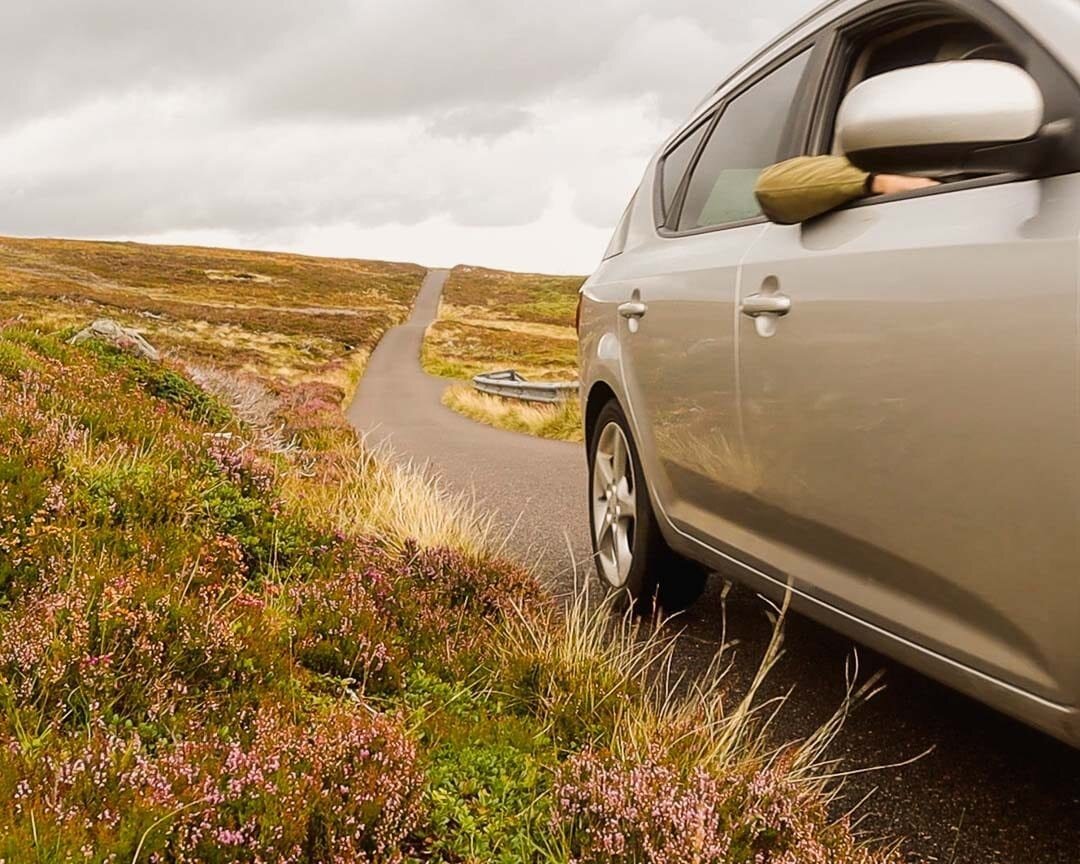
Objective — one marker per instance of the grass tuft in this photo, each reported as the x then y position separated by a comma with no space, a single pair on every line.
561,421
660,769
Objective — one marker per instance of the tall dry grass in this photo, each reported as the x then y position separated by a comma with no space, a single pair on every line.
618,671
367,490
561,421
351,486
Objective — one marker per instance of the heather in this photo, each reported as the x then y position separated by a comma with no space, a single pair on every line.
229,633
191,667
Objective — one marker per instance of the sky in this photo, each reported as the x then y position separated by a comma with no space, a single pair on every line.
487,132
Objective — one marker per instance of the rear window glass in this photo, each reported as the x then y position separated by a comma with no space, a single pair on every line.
676,162
746,140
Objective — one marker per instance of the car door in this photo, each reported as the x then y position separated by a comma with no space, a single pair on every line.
913,421
677,334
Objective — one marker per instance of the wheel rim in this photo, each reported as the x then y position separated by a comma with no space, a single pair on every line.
614,506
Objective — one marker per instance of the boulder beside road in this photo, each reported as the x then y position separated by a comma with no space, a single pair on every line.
107,330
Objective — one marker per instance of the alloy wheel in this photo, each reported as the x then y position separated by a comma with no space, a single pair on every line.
614,506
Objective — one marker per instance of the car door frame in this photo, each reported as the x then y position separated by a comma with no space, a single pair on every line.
793,140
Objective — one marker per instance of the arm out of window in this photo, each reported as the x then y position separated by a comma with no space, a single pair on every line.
807,186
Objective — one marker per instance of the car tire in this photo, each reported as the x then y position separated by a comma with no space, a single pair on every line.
632,558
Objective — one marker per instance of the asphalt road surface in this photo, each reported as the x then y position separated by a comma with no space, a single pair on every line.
990,792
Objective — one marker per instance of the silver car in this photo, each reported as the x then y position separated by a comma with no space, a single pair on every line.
877,410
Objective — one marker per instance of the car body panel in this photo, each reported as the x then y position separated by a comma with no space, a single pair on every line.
901,457
690,289
912,427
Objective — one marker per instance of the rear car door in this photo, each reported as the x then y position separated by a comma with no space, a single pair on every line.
677,339
912,424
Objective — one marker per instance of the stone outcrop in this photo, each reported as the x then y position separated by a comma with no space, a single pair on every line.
107,330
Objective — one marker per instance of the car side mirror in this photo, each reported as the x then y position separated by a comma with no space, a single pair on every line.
956,117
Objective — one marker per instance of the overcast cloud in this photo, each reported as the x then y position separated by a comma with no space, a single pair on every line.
478,131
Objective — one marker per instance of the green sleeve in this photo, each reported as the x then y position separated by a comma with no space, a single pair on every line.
807,186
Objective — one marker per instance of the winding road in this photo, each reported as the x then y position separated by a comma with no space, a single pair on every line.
991,791
533,488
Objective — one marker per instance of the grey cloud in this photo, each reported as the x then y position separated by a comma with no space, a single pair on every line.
56,54
167,175
426,56
479,122
349,59
258,115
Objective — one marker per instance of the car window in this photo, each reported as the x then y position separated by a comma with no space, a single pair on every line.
677,161
877,40
746,139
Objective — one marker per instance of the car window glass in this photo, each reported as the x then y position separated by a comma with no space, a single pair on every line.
746,139
676,162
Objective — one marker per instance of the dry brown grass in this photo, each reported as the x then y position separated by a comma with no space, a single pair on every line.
561,422
357,489
490,320
282,317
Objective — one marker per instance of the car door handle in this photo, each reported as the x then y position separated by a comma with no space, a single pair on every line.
633,309
766,304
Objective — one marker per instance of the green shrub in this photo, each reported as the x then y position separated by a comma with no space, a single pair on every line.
488,776
165,384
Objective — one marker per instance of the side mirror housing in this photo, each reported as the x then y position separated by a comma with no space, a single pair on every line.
956,117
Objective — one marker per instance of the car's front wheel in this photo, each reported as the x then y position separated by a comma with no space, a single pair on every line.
632,557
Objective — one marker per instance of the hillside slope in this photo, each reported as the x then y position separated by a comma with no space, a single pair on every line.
224,640
492,319
289,316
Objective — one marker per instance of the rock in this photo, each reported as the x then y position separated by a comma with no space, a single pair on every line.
107,330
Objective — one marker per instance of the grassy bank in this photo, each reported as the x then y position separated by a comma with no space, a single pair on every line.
491,320
215,649
211,650
561,422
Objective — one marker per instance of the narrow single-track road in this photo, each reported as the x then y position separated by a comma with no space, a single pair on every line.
534,488
990,792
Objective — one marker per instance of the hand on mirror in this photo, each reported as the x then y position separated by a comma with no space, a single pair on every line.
894,184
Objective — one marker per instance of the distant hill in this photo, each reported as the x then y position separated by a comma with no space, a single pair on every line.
287,315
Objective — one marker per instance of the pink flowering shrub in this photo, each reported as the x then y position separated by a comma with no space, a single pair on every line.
311,412
80,647
651,812
429,605
187,663
241,465
340,786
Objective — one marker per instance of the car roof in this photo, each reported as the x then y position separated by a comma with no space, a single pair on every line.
821,11
810,17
